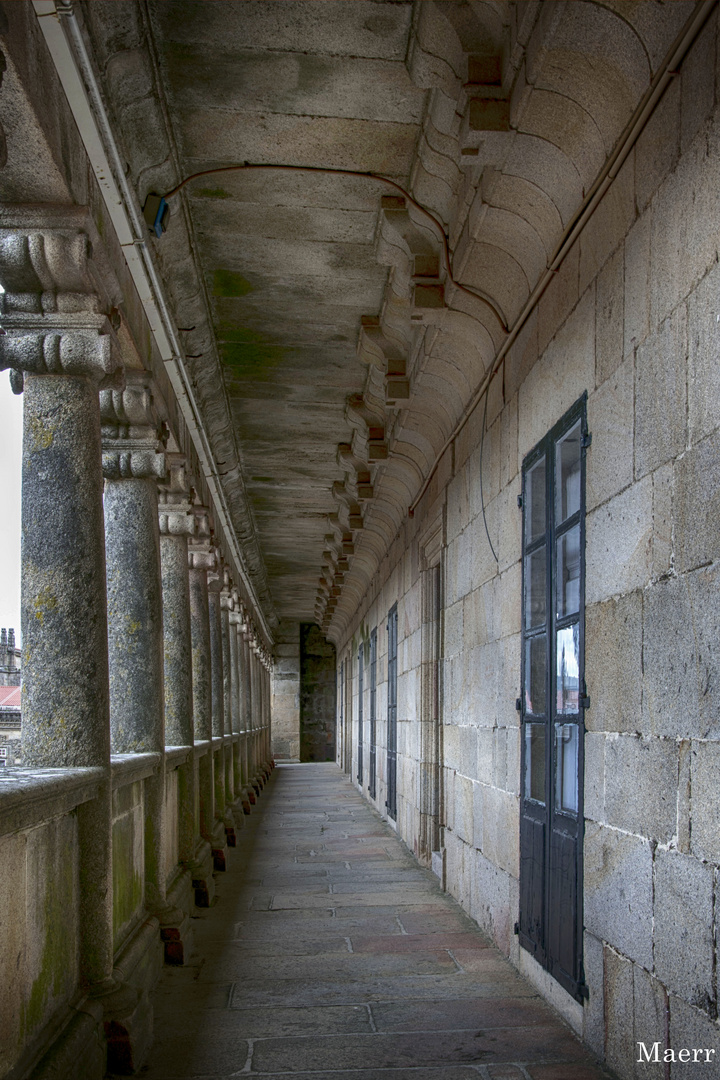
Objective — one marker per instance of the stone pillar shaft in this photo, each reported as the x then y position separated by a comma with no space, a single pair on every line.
64,615
135,618
179,727
66,719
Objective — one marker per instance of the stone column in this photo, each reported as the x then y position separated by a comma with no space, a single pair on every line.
246,706
133,462
177,524
61,359
254,712
223,813
236,703
202,558
226,630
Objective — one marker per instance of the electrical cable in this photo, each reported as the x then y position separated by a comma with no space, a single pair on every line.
248,166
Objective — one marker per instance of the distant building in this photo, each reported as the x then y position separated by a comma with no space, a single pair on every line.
10,680
10,674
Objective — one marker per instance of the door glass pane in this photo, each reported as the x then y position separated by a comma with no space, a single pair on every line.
535,762
566,769
568,573
568,669
535,605
535,501
535,652
567,475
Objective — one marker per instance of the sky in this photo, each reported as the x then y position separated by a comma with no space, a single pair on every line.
10,484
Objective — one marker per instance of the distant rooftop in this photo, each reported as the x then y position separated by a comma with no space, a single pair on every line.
10,697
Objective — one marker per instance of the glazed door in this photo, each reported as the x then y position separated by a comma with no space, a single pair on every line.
554,700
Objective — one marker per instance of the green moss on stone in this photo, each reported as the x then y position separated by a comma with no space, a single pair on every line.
58,948
127,881
212,193
230,283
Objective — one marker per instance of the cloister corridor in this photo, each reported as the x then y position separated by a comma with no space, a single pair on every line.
331,953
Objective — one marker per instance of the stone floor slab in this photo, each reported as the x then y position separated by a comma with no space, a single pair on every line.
332,955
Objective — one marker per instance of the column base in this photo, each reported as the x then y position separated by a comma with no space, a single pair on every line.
219,847
128,1025
201,871
175,924
79,1050
176,935
233,822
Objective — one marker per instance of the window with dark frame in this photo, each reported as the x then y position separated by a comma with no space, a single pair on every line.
372,786
392,628
553,699
361,679
341,702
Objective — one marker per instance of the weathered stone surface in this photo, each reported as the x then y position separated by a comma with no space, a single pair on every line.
613,642
178,648
619,543
640,785
658,147
705,833
697,499
135,618
703,344
609,317
650,1004
565,370
697,97
610,419
670,665
660,395
683,930
692,1027
619,1043
64,615
636,310
594,1010
683,249
608,225
618,891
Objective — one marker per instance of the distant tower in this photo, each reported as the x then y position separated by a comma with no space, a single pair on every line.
9,659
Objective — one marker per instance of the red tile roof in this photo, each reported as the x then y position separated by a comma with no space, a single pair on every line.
9,697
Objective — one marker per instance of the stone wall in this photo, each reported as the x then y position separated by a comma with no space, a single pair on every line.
632,318
317,695
286,693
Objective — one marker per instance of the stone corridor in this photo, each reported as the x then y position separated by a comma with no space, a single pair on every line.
331,953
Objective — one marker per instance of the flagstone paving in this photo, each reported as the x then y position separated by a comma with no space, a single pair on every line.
330,954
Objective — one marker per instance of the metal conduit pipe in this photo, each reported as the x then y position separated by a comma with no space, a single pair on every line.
666,72
66,44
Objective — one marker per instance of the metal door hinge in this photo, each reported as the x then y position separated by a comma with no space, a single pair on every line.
520,502
586,440
516,929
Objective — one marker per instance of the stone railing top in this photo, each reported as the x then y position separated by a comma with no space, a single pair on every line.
177,755
30,796
127,768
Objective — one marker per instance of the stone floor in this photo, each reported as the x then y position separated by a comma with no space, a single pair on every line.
330,953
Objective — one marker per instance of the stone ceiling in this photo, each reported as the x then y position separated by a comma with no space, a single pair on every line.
498,118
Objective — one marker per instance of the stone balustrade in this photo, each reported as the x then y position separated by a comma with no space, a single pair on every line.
145,705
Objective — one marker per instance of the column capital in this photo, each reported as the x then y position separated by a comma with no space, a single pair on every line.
226,599
202,553
174,500
131,432
61,350
51,308
215,576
